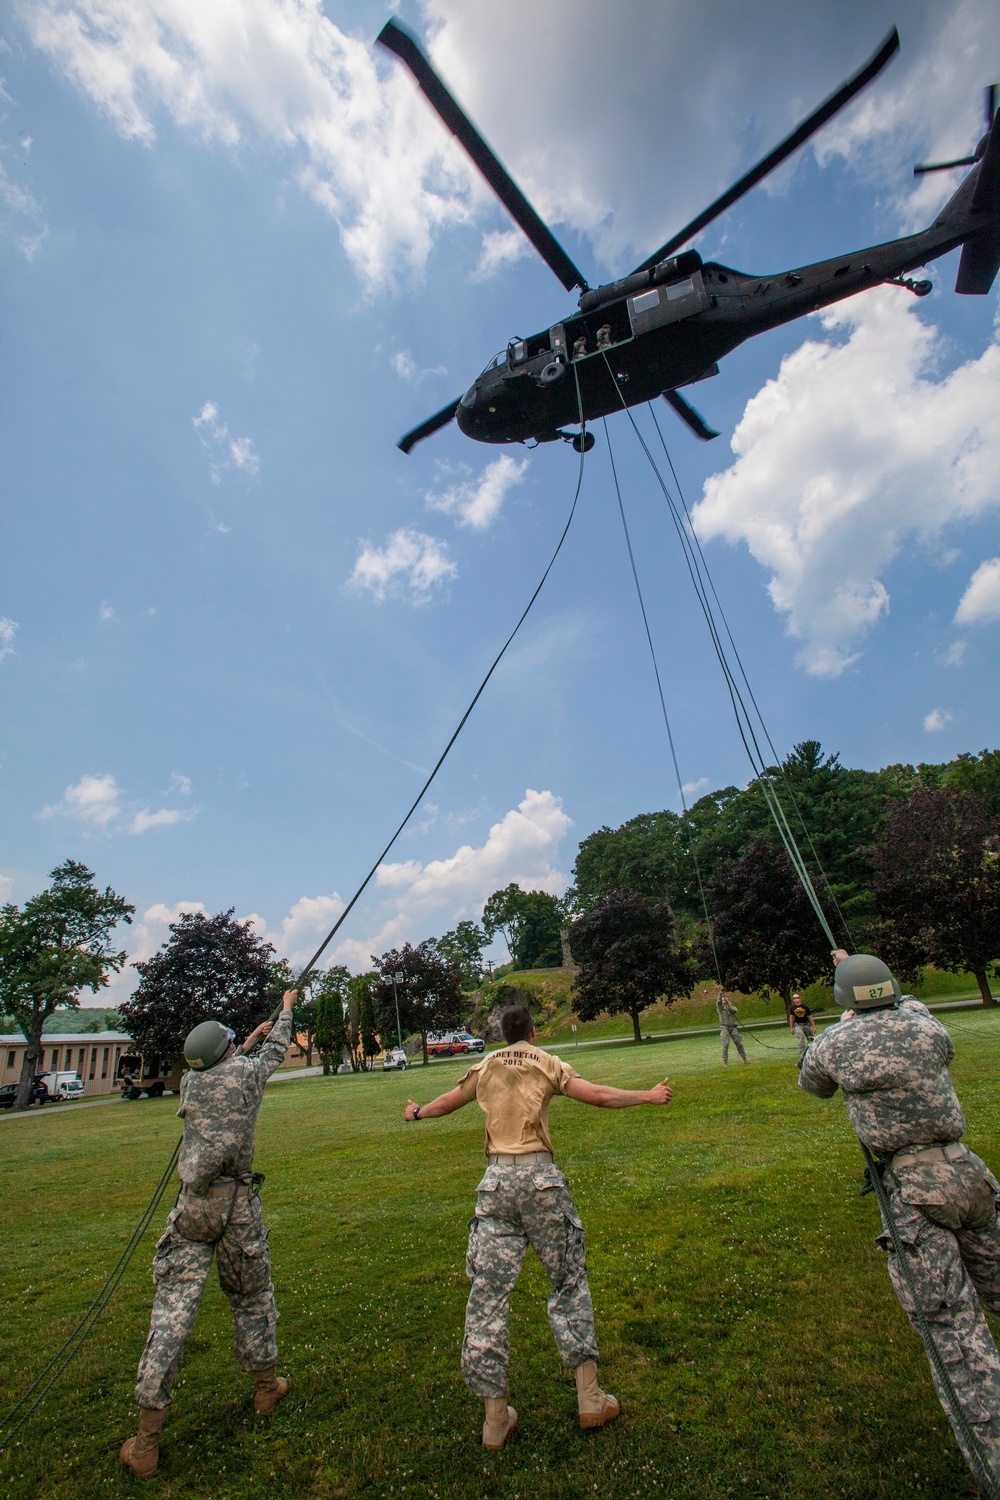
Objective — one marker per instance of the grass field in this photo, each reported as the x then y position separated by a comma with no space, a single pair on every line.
744,1316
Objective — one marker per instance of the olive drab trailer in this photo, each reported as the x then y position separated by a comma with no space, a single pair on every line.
148,1073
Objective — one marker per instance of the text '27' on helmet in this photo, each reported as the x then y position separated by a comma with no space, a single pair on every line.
862,982
207,1044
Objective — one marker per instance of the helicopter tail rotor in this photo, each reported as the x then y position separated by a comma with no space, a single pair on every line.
990,111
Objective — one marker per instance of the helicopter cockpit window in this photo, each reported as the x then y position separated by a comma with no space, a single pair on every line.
496,362
518,350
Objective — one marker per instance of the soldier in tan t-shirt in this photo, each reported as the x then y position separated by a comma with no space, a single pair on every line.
524,1199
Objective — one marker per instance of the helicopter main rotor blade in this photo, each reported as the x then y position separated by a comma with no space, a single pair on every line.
433,424
774,158
687,414
943,166
402,44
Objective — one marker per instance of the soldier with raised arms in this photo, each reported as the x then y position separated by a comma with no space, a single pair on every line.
524,1199
890,1057
217,1213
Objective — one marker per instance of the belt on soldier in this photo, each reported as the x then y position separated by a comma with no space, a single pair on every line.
947,1151
222,1187
525,1159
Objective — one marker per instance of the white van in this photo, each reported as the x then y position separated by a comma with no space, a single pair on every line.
63,1086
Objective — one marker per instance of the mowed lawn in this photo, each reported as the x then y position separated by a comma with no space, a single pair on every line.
745,1319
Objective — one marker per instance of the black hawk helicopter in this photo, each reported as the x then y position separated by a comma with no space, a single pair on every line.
669,323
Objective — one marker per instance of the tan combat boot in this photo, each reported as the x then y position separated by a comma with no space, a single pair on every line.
501,1420
141,1453
596,1407
268,1390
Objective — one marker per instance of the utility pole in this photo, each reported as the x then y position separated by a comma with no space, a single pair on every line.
397,978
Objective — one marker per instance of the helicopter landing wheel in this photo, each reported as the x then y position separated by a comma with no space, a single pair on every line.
583,442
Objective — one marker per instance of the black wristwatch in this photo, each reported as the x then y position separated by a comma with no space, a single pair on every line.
416,1111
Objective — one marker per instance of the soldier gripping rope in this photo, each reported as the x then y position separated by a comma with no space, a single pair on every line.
524,1199
891,1058
217,1213
729,1029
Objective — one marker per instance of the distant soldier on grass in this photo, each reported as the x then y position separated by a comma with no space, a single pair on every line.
890,1057
729,1029
524,1199
801,1023
217,1213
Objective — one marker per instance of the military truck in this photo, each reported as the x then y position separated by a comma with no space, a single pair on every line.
149,1074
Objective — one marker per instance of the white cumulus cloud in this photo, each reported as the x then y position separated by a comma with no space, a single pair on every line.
94,801
427,898
8,630
937,719
980,604
225,451
99,803
411,563
477,502
855,448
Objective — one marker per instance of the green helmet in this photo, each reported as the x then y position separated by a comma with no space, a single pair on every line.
861,982
207,1044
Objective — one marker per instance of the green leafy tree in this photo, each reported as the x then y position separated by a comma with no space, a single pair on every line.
367,1018
58,944
464,946
210,968
530,923
629,957
937,883
330,991
766,934
430,992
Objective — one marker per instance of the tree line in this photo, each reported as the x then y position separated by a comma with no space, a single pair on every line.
905,862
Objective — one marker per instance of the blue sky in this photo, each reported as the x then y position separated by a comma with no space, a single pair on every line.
241,257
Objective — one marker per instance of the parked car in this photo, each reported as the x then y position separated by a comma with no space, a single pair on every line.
39,1093
63,1086
394,1059
452,1043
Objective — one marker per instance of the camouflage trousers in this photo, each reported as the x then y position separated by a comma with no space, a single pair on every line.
953,1253
803,1036
197,1229
517,1207
732,1034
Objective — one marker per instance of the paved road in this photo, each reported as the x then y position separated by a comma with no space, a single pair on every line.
63,1109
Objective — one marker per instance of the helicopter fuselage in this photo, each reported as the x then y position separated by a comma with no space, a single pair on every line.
666,328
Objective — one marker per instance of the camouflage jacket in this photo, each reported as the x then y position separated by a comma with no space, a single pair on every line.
727,1015
893,1068
219,1109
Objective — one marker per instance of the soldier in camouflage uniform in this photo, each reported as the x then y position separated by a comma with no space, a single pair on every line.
217,1213
729,1029
891,1058
524,1199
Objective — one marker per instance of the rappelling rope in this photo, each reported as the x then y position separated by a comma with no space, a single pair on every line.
743,719
43,1382
750,693
977,1460
304,973
62,1358
659,689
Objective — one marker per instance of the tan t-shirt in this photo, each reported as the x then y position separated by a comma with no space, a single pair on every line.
513,1088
